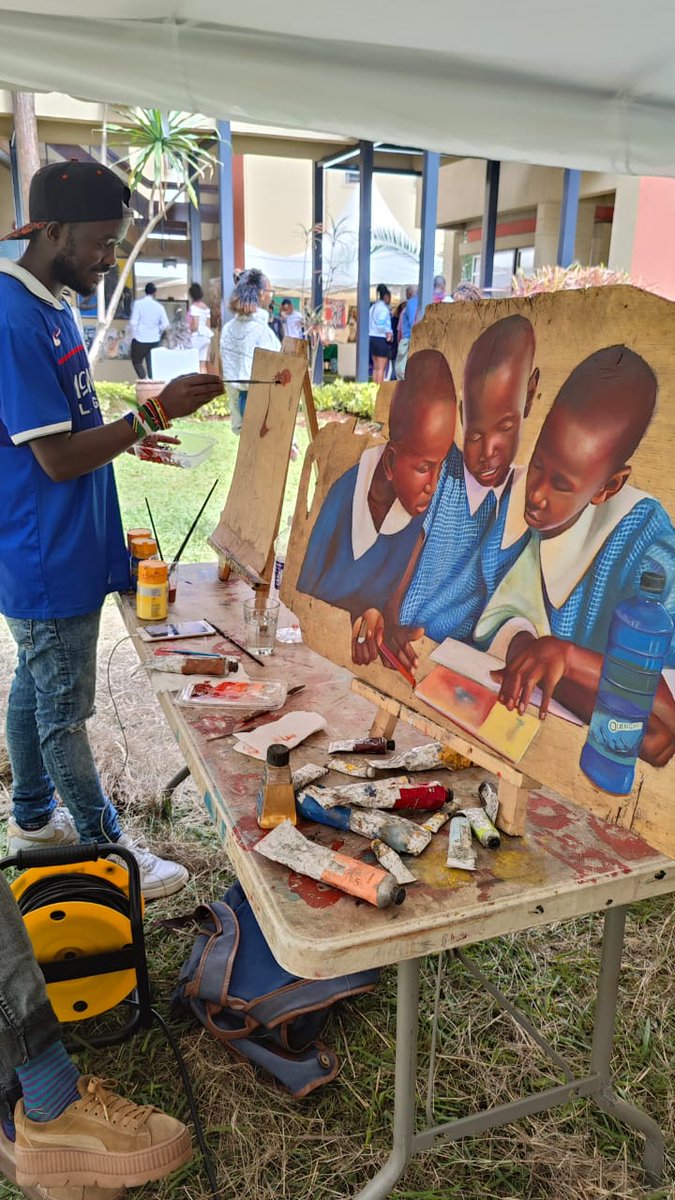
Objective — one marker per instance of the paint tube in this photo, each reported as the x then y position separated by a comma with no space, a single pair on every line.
286,845
452,760
369,745
306,775
346,766
461,854
482,827
420,758
425,795
437,820
382,794
391,862
404,836
489,799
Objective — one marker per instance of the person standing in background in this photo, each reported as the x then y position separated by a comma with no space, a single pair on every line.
406,322
294,325
380,332
275,323
147,326
199,320
241,337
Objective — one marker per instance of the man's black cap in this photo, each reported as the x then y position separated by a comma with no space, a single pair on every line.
74,191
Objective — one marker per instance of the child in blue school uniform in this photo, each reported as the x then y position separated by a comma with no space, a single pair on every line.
443,590
591,535
372,516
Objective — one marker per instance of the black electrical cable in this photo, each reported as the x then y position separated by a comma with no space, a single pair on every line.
60,889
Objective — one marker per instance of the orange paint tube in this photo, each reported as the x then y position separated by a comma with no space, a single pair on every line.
286,845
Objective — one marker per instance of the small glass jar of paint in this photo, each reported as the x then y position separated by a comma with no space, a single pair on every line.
152,593
141,548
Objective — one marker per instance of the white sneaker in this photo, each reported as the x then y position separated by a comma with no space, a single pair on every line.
59,831
159,876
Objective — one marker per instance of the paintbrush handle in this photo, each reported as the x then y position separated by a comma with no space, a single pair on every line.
192,528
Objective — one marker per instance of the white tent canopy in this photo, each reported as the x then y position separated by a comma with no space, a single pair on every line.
388,265
587,83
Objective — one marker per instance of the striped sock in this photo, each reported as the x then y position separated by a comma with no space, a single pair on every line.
49,1083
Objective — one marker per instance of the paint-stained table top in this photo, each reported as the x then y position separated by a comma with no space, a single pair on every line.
568,863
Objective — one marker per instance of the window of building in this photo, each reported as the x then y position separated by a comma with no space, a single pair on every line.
506,263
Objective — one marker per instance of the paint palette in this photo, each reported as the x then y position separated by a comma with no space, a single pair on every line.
191,450
235,694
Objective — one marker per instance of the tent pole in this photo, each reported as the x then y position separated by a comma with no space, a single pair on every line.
195,223
363,284
569,211
225,212
428,235
489,232
317,259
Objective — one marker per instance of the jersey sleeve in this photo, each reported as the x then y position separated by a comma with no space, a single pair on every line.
32,401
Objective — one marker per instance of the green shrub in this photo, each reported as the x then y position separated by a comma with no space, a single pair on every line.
338,396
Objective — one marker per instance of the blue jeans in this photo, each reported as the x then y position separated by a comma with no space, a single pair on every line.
237,411
27,1022
51,697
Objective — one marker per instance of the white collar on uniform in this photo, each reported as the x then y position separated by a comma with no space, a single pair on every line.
9,267
476,492
565,559
364,533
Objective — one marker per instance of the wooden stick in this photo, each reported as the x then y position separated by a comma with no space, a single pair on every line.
154,528
191,530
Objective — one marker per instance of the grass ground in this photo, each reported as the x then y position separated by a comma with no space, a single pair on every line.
270,1147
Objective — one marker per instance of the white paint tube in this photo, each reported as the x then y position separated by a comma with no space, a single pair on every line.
306,775
489,799
391,862
382,794
420,758
482,827
436,821
461,854
397,832
286,845
348,766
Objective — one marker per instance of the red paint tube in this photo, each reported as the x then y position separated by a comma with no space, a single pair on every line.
367,745
424,796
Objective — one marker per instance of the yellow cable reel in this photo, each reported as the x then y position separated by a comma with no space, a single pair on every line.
75,912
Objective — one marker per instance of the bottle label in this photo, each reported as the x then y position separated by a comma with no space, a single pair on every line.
624,726
279,564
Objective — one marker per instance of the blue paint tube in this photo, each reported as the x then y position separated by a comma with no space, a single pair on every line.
403,836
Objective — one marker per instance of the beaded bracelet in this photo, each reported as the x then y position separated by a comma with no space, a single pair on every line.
138,425
149,418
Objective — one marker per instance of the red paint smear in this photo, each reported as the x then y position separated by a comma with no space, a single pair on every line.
587,862
248,832
314,894
548,813
625,843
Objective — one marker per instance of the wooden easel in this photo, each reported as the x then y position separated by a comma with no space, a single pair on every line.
249,523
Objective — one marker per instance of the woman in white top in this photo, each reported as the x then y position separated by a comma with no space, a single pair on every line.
199,320
380,332
248,330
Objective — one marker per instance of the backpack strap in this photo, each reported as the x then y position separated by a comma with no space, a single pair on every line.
207,972
308,995
301,1073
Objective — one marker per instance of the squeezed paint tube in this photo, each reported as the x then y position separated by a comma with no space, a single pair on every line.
391,862
420,758
382,794
306,775
347,766
424,795
461,854
490,800
368,745
404,836
482,827
286,845
437,820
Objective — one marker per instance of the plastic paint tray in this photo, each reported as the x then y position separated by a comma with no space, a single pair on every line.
194,449
234,694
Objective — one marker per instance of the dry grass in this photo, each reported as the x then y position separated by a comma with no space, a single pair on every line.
267,1145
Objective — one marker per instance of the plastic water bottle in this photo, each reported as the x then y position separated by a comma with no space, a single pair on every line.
640,634
280,550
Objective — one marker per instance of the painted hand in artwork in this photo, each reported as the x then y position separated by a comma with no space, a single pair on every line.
367,635
400,638
658,744
539,662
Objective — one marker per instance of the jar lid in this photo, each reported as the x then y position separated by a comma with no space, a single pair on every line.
153,570
143,547
278,755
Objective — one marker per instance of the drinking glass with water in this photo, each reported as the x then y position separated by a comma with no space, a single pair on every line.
260,619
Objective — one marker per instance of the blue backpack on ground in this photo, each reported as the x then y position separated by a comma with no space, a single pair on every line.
233,984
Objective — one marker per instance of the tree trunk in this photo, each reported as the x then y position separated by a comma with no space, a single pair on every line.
97,344
27,145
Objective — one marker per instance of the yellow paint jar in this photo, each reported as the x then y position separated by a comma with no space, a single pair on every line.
152,593
141,548
134,534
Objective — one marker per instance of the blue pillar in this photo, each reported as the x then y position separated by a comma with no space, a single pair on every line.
363,286
430,172
569,210
16,184
225,210
489,234
317,257
195,221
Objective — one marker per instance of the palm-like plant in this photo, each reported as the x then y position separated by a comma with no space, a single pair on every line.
167,155
397,240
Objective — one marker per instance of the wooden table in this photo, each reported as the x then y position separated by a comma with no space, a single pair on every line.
568,863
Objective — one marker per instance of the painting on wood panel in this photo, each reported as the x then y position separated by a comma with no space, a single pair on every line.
506,557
